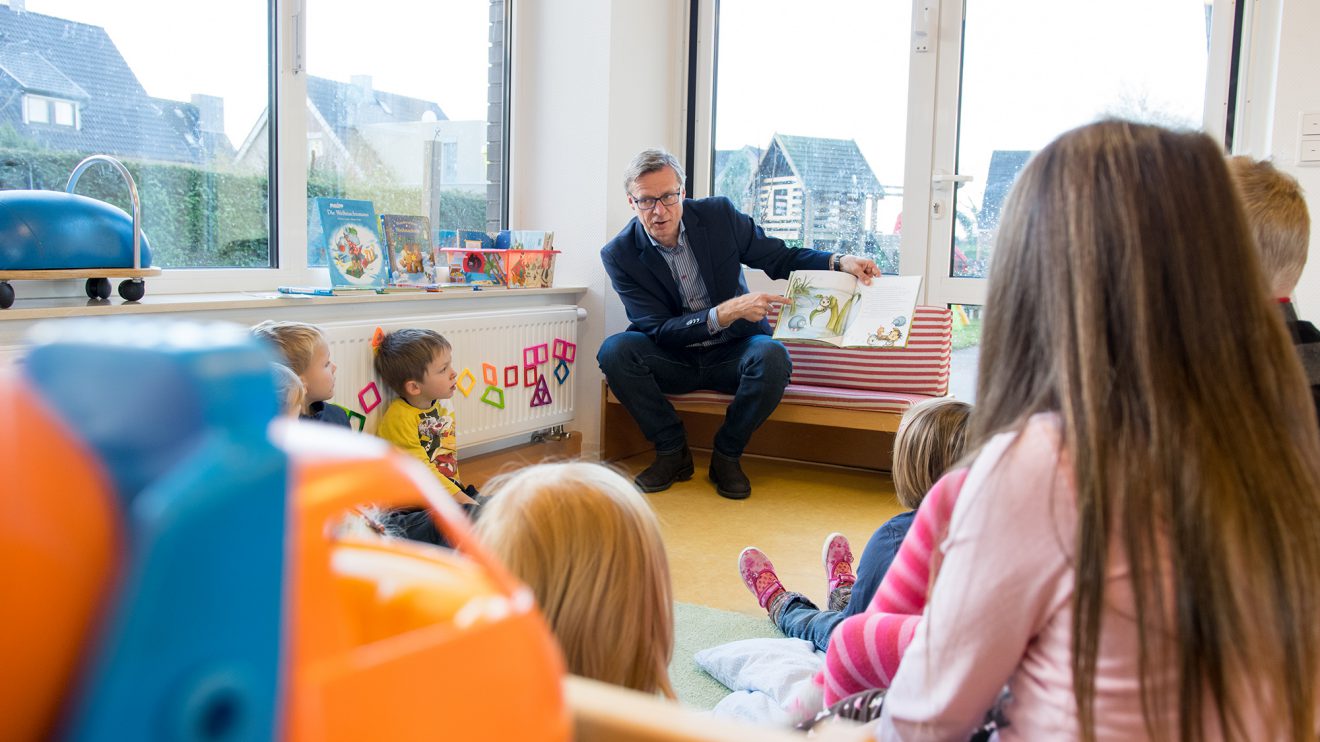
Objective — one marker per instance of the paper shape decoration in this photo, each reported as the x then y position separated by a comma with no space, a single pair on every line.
510,376
359,417
489,374
530,375
561,370
367,407
466,381
493,396
534,354
542,394
564,350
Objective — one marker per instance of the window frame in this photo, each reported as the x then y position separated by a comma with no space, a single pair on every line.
934,79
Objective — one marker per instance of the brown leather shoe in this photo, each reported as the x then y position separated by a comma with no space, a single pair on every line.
665,470
728,477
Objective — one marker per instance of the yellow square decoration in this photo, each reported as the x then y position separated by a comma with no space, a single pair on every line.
466,381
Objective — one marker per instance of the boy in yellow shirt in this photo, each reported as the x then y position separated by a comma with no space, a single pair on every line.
417,365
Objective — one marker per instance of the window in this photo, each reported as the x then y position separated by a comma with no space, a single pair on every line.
182,94
104,78
1159,77
810,111
405,123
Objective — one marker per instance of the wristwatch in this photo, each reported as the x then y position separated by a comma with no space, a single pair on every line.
836,262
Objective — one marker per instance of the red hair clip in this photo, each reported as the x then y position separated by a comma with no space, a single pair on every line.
377,338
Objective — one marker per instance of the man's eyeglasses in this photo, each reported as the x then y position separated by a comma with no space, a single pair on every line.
648,203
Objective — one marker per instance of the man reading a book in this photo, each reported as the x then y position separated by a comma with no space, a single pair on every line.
677,266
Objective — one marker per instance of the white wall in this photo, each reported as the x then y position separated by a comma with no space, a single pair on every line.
1274,116
594,81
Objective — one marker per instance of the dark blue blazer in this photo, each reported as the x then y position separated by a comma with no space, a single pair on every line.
723,241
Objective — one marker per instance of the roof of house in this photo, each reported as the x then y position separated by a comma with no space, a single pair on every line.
56,57
1005,164
826,165
351,105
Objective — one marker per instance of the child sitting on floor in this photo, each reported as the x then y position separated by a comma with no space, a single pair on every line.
306,351
289,390
929,441
587,544
417,365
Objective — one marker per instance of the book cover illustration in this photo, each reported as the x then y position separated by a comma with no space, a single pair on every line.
355,256
408,244
530,269
834,308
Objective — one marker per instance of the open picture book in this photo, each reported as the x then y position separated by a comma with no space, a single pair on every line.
834,308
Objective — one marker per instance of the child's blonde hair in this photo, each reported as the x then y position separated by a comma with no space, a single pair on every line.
297,341
1278,220
289,390
403,355
929,441
586,542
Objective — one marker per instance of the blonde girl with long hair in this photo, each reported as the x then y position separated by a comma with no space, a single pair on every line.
586,542
1135,552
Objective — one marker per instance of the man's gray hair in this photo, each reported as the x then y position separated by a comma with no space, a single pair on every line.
649,161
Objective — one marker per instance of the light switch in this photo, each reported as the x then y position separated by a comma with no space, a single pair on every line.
1310,154
1311,124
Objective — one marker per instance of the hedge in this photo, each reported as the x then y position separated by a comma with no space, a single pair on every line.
198,217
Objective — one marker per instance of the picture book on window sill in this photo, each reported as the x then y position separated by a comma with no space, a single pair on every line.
834,308
408,242
355,256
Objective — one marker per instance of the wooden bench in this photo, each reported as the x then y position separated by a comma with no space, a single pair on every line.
842,405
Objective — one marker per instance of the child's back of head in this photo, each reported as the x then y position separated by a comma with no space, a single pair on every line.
929,442
306,351
1278,219
289,390
586,542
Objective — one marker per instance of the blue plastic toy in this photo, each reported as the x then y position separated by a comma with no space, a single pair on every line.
51,235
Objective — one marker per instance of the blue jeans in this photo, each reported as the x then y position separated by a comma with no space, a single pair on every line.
799,618
754,370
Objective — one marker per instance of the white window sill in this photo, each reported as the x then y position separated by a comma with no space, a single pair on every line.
250,307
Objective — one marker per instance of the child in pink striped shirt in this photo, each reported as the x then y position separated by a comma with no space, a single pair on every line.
929,441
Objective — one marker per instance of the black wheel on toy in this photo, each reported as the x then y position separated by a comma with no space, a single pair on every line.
6,295
133,289
98,288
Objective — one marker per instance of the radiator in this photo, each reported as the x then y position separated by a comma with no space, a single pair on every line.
499,339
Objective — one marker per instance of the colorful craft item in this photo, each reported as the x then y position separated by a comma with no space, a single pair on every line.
542,394
510,376
377,337
493,396
530,376
535,354
367,407
564,350
466,381
490,374
561,371
360,419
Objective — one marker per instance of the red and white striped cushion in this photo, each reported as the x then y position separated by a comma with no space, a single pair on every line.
921,368
817,396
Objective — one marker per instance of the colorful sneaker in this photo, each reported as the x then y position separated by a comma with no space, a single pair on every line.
759,576
837,557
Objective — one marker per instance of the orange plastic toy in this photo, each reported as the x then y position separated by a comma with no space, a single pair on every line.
393,640
59,544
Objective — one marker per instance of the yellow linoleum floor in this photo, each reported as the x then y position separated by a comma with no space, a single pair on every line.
792,509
